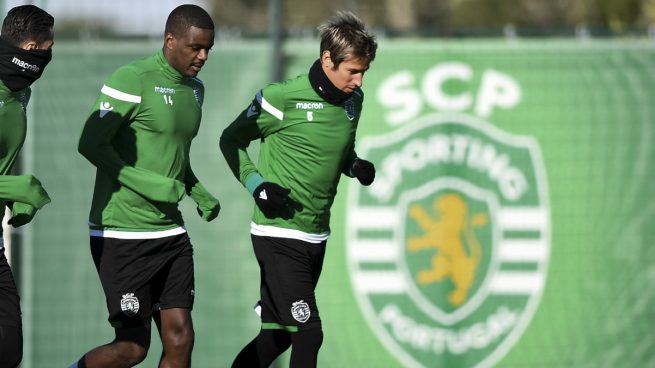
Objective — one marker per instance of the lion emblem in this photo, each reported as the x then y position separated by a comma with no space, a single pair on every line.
451,234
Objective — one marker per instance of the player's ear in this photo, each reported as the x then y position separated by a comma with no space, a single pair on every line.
29,45
326,59
169,41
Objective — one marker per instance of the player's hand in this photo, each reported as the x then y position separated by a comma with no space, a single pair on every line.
209,210
271,198
179,189
363,170
152,186
21,214
167,190
208,205
37,195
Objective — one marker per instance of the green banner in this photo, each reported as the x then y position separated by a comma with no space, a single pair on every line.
509,224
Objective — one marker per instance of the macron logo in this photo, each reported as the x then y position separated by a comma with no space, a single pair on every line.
262,195
252,111
105,107
24,65
166,90
309,105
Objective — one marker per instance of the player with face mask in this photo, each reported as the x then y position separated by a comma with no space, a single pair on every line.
25,50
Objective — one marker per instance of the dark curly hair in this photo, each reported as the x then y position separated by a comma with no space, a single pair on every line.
185,16
27,23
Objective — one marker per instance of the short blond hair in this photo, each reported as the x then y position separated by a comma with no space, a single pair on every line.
345,36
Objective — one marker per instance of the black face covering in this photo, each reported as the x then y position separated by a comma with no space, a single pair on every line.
20,68
323,87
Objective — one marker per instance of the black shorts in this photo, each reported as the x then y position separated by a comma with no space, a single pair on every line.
140,276
289,271
9,299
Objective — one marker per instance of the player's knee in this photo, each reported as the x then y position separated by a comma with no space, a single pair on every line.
305,345
310,339
132,344
130,352
180,338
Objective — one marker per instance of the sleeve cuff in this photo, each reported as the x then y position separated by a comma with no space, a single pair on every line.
253,182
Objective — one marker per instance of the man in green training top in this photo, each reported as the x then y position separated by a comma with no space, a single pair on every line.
25,50
138,136
307,129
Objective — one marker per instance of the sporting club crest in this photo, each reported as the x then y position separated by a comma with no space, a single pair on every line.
300,311
130,304
448,248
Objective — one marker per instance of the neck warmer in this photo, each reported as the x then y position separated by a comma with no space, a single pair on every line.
324,88
20,68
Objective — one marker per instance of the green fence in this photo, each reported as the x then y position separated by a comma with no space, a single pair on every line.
509,224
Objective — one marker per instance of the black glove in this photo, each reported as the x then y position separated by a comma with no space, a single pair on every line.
363,170
271,198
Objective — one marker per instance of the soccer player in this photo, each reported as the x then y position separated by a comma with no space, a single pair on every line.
138,136
307,129
25,50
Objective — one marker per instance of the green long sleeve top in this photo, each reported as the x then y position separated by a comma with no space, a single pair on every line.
306,144
25,189
138,135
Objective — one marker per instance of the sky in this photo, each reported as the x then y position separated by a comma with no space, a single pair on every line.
145,17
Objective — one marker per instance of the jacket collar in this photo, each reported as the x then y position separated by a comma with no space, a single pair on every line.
323,87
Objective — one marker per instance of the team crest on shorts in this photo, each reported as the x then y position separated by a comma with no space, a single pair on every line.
300,311
130,304
448,248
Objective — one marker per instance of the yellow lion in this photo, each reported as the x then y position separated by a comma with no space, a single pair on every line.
447,234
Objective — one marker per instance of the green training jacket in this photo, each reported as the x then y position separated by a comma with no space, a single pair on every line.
13,128
306,144
138,135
